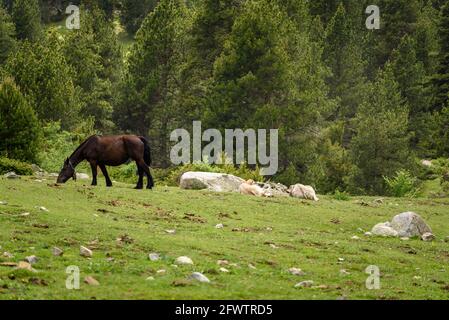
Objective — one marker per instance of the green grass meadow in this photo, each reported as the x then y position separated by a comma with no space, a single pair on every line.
273,235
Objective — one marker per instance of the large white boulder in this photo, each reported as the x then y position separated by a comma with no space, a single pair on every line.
303,192
410,224
219,182
404,225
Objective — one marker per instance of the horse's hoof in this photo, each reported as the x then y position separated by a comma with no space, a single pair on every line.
138,188
150,188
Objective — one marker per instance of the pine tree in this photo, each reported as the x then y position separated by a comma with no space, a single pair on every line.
133,12
7,33
42,73
441,78
411,78
19,127
343,55
381,144
27,18
151,84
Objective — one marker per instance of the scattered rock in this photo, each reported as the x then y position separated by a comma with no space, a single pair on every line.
170,231
405,238
427,237
223,262
25,214
341,259
303,192
211,181
426,163
379,201
150,278
409,224
304,284
343,272
85,252
252,266
91,281
11,175
23,265
57,252
200,277
31,259
368,234
161,272
272,245
3,203
355,238
82,176
224,270
154,256
219,226
416,278
124,239
8,255
184,260
296,272
384,229
42,209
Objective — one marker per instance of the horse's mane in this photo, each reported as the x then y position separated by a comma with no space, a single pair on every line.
81,145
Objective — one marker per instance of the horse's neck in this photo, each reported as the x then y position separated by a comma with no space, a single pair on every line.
77,157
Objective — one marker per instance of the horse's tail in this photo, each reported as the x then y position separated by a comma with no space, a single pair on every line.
146,151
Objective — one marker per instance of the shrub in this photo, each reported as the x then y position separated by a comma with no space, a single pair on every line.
21,168
403,184
341,196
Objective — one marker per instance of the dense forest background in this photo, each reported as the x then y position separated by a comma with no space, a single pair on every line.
355,108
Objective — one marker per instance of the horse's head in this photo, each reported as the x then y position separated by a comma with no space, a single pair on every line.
67,172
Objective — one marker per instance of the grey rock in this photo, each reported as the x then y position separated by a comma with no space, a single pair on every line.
384,229
304,284
154,256
31,259
82,176
428,236
85,252
200,277
296,272
57,252
409,224
218,182
184,260
3,203
11,175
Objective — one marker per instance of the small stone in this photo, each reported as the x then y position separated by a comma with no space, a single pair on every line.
222,262
31,259
296,272
304,284
343,272
110,259
11,175
428,236
150,278
154,256
200,277
85,252
57,252
184,260
8,255
251,266
355,238
341,259
43,209
368,234
161,272
405,238
25,214
272,245
219,226
174,266
23,265
416,278
91,281
224,270
269,229
3,203
170,231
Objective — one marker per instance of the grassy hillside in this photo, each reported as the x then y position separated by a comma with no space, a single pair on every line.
271,234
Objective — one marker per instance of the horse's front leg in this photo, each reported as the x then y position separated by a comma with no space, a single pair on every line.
93,166
106,175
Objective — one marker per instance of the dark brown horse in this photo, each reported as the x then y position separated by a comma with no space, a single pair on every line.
110,151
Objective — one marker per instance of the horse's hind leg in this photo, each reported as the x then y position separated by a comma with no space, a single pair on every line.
146,169
140,182
106,175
